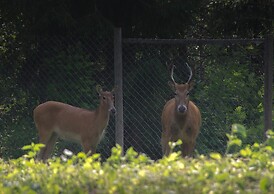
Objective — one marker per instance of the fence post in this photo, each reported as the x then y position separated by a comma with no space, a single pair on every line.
268,79
118,79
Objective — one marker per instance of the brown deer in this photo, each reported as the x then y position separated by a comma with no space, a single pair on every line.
181,118
56,119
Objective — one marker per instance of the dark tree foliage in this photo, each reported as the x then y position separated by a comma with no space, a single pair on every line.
232,19
49,36
152,18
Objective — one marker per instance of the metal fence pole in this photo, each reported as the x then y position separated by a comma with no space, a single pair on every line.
118,74
268,79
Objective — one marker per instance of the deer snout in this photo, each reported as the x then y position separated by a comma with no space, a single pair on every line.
182,108
112,110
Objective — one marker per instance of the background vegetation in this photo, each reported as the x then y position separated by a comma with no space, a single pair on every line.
43,50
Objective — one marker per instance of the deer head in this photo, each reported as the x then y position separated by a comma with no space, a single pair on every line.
106,98
181,92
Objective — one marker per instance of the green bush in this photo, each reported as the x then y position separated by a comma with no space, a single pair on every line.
231,92
249,170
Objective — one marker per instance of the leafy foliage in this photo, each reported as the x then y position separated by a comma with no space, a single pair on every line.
229,95
33,69
249,170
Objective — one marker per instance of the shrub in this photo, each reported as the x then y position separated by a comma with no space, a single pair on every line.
248,170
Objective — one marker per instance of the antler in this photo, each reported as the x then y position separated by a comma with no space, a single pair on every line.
190,76
190,71
171,74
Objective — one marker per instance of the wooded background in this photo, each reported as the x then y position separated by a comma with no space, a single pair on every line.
59,50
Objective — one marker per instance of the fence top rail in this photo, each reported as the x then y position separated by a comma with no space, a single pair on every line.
192,41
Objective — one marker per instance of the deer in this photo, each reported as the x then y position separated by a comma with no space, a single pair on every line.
56,119
181,118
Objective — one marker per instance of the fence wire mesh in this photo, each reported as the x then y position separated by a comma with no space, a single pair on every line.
228,89
59,69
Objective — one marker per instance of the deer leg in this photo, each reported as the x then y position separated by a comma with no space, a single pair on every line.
44,138
41,153
50,146
164,142
187,148
88,148
189,141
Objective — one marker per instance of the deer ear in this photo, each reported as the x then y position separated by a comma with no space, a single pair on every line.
190,86
172,86
99,89
114,89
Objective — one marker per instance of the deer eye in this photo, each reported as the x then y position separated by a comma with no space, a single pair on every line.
104,97
187,93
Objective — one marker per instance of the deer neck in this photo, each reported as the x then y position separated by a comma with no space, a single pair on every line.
102,116
180,118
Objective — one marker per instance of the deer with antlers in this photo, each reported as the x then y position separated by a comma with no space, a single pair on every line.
181,118
56,119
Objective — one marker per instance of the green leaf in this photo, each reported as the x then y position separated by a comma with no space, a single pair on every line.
245,152
222,177
27,147
38,146
215,156
237,142
173,157
270,138
264,184
239,129
81,155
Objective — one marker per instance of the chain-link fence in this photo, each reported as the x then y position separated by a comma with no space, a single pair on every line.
228,88
60,69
